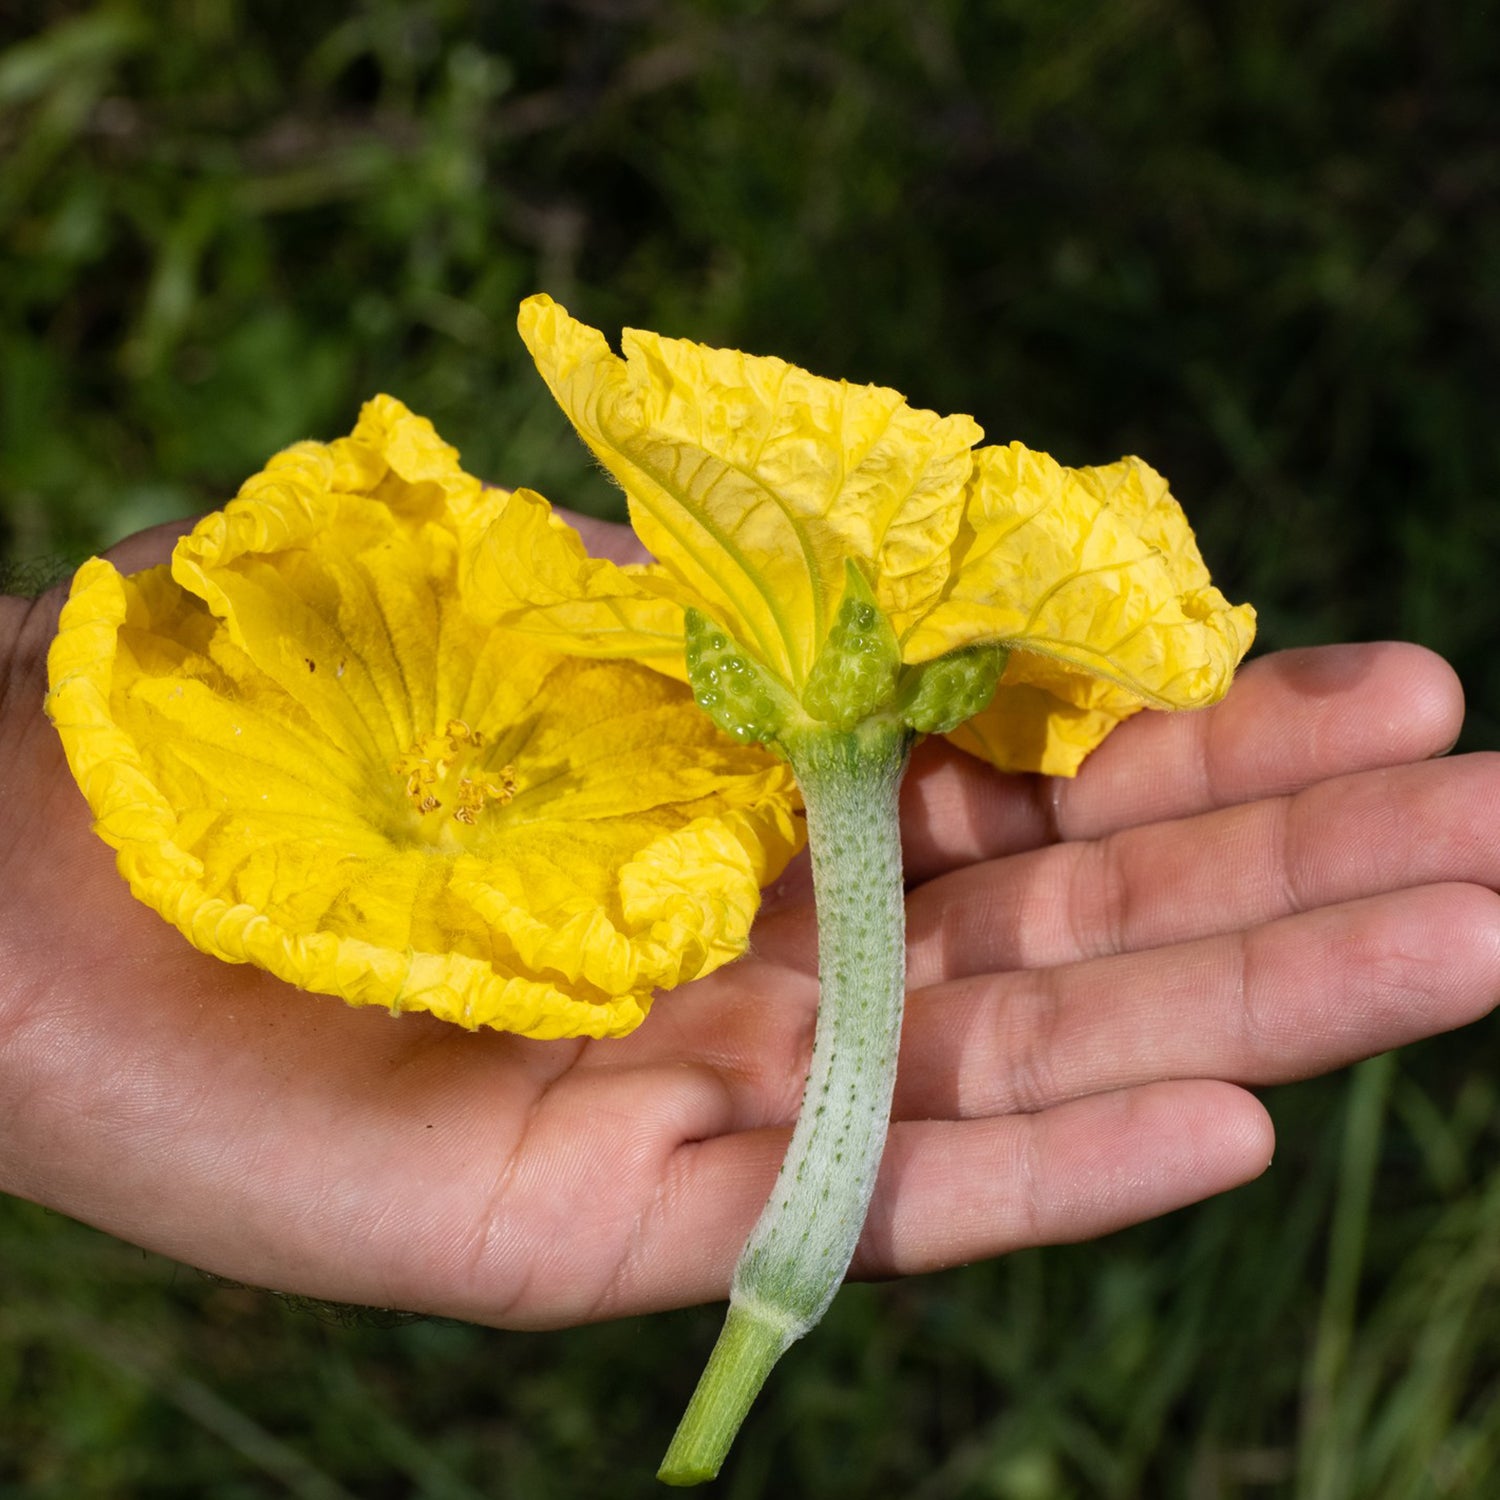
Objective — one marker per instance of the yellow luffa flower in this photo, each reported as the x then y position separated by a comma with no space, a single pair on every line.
311,757
755,485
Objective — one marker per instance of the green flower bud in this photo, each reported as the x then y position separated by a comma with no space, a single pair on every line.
940,694
729,686
855,673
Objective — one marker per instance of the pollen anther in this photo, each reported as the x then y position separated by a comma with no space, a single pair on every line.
427,766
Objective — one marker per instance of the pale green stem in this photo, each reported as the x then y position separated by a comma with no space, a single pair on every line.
798,1252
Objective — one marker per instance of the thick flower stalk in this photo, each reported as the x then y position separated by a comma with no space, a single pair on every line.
835,573
310,756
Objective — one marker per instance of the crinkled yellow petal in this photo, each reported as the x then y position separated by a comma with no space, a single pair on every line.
310,756
528,571
752,482
1096,570
1044,718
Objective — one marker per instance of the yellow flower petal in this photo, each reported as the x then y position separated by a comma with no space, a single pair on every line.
752,482
528,571
757,486
310,756
1044,718
1095,569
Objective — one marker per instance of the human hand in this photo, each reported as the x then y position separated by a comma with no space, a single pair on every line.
1099,969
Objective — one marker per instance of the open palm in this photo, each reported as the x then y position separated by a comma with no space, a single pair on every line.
1098,972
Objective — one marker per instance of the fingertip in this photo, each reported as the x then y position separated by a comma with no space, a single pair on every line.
1436,695
1212,1136
1313,713
1248,1136
1402,700
1455,931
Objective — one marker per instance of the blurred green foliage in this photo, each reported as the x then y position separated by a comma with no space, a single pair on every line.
1258,243
1329,1332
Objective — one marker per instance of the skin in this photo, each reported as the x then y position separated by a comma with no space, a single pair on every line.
1101,971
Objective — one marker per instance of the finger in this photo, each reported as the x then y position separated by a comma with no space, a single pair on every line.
1291,719
147,549
607,538
750,1025
1144,891
284,1140
28,625
1296,997
1336,841
950,1192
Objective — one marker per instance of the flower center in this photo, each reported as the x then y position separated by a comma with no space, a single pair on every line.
444,774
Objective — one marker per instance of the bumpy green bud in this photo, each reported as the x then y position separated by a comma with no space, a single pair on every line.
728,686
939,695
854,675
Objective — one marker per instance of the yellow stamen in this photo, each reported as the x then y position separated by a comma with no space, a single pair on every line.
427,766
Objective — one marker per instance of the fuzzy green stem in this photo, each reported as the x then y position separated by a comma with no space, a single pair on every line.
799,1250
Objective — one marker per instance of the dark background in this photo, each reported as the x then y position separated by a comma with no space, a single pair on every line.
1257,243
